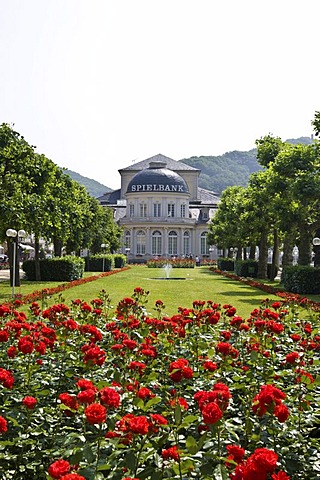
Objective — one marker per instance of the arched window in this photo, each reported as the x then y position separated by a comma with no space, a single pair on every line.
173,243
204,247
186,243
141,242
156,243
127,240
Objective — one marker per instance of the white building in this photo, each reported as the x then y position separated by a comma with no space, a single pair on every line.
162,210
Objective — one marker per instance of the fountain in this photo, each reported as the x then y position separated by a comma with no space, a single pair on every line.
167,270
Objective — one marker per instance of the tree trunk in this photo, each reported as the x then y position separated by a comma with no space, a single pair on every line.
263,255
304,245
288,244
57,245
275,256
37,258
252,253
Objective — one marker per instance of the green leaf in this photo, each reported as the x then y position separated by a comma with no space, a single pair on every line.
177,414
221,473
88,454
130,460
191,445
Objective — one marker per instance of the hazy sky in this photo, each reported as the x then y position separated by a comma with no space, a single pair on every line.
99,84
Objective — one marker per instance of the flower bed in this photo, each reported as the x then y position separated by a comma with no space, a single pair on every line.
48,292
173,262
92,392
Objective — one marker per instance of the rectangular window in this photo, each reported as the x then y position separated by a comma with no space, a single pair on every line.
131,210
157,209
170,209
183,211
143,209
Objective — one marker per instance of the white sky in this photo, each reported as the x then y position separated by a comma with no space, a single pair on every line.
99,84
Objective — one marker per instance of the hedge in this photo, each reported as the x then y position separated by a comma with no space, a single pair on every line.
63,269
301,279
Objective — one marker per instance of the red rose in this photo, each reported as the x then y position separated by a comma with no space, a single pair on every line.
72,476
281,475
59,468
235,453
69,400
281,412
95,413
29,402
4,336
3,425
6,378
87,396
139,425
25,344
211,413
145,394
109,397
171,452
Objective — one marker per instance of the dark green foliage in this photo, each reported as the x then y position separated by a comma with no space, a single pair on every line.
119,260
231,168
301,279
94,188
99,263
246,268
218,173
63,269
226,264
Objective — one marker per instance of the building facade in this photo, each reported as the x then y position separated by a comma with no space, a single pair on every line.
162,210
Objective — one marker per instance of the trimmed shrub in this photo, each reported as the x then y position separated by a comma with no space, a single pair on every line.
246,268
120,260
226,264
59,269
301,279
99,263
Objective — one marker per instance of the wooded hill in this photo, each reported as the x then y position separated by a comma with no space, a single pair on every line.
217,172
231,168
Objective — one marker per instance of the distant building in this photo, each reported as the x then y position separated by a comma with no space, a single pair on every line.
162,210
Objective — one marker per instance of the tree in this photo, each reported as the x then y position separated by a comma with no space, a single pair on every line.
225,229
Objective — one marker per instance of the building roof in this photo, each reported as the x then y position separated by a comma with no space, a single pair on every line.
170,164
110,197
157,178
207,197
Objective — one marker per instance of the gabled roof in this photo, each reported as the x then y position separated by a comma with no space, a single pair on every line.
170,164
206,196
110,197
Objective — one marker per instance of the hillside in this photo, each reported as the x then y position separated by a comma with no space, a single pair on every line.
217,173
231,168
94,188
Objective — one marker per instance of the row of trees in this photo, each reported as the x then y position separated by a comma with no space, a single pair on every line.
279,207
37,196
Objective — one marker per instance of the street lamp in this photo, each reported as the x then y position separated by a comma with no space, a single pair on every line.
14,271
104,246
316,243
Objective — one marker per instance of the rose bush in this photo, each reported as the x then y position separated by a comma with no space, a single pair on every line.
90,392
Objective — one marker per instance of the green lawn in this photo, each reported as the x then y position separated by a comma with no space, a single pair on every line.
196,284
